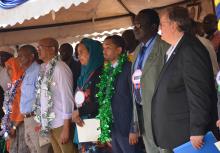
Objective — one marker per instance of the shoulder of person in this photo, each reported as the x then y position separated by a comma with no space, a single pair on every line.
37,66
33,69
61,64
137,49
206,42
192,40
127,66
62,67
161,42
192,45
99,70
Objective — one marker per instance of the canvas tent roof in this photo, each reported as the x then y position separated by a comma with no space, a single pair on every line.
64,18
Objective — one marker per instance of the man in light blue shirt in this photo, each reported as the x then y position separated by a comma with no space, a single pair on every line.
27,56
28,94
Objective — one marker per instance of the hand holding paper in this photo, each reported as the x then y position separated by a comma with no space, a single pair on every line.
208,147
76,118
197,141
89,132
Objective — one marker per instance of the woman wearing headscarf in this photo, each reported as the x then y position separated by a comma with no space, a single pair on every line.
17,141
91,58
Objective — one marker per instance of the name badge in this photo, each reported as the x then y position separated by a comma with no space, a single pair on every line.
136,78
79,98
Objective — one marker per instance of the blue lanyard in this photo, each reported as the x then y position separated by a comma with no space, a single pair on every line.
142,53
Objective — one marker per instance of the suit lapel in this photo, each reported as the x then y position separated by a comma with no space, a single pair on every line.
137,50
166,65
151,57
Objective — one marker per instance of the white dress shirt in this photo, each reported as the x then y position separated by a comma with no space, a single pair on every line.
171,49
62,93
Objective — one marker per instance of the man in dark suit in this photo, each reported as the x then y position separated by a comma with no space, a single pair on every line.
184,102
123,136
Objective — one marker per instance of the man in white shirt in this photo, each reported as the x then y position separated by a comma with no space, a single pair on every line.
55,97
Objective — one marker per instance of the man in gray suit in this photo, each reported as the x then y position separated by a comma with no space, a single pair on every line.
148,62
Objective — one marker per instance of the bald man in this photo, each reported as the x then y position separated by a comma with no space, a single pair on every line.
55,82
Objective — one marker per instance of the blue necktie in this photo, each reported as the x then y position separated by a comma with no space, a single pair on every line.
137,91
141,57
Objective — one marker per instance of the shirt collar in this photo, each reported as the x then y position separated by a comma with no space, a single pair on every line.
115,64
172,47
31,67
147,43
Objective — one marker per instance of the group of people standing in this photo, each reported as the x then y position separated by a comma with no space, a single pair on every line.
165,95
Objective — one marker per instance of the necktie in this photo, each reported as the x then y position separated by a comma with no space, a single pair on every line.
137,91
141,57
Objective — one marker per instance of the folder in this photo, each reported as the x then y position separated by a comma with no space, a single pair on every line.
90,130
208,147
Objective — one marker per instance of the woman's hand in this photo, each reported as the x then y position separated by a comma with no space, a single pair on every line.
76,118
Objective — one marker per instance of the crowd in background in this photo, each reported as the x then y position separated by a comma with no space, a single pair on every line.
151,92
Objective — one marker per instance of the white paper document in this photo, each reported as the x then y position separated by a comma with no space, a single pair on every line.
89,132
217,144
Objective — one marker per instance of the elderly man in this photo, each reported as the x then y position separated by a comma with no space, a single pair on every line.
53,107
27,56
184,102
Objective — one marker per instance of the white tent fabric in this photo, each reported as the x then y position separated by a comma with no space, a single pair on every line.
72,18
34,9
27,13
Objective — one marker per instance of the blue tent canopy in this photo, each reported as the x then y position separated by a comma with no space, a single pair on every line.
8,4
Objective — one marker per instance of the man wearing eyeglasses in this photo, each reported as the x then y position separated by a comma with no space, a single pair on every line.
184,103
148,62
55,97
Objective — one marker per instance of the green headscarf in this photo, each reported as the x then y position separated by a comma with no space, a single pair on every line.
96,59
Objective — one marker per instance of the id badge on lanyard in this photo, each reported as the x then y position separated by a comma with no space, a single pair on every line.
79,98
136,78
80,95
